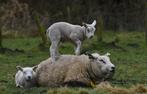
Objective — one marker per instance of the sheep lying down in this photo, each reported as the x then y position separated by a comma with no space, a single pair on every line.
25,77
72,70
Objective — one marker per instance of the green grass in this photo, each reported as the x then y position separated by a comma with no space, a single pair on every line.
130,61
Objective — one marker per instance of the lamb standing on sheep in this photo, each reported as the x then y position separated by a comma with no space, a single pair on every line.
25,77
62,31
72,70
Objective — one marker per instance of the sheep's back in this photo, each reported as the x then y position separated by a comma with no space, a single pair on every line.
64,69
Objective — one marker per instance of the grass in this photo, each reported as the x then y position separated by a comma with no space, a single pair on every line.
130,58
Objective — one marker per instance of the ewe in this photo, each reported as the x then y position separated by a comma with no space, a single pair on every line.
62,31
25,77
72,70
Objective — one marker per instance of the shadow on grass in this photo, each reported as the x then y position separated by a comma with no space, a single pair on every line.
7,50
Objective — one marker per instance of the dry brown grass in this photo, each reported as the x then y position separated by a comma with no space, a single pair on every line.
102,88
135,89
63,90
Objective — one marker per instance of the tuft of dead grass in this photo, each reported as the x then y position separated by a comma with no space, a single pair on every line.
135,89
102,88
63,90
139,89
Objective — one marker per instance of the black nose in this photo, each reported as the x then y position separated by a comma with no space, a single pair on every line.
29,77
112,69
91,37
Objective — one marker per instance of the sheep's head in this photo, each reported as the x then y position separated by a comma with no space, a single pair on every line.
90,29
103,62
28,72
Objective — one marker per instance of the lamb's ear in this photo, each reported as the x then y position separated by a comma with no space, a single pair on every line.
84,24
107,54
89,55
94,23
19,68
35,67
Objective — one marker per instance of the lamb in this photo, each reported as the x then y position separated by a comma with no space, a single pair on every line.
73,70
25,77
62,31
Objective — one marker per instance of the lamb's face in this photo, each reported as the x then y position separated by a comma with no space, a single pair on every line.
28,72
90,29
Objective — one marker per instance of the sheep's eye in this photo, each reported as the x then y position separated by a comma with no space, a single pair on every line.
103,61
88,30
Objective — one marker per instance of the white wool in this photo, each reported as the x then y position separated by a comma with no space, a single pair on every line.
74,68
63,31
25,77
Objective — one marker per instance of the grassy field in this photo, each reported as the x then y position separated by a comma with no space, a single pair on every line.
128,53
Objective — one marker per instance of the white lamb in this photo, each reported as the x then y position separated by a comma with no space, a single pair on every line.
25,77
63,31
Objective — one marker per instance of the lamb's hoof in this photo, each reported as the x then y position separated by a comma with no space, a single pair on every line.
57,57
18,86
52,62
77,54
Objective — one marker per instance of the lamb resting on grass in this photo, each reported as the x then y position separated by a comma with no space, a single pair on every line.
25,77
62,31
72,70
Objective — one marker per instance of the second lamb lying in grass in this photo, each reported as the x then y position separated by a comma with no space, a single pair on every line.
25,77
72,70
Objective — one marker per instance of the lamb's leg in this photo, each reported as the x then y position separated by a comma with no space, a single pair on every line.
57,51
54,50
77,51
55,37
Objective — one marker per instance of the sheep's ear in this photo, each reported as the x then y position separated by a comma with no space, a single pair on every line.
94,23
89,55
107,54
35,67
19,68
84,24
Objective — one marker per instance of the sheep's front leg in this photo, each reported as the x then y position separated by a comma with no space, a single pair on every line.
77,50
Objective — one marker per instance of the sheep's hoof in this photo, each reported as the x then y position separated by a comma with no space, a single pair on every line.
92,84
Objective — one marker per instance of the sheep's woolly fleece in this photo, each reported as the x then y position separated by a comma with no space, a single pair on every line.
69,69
